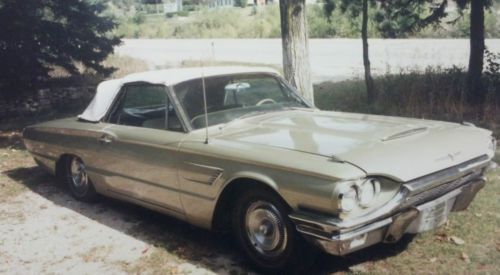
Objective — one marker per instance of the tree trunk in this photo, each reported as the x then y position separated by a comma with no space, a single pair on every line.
371,93
476,57
296,46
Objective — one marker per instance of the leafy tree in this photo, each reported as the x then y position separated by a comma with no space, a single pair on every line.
398,18
37,35
476,93
125,4
394,18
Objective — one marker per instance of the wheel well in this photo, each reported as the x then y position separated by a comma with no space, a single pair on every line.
222,219
61,166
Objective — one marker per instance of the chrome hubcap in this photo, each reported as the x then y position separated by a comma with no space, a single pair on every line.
78,175
265,228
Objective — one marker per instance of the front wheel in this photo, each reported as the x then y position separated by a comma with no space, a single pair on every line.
266,234
78,181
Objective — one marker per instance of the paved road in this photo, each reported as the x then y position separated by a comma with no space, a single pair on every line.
331,59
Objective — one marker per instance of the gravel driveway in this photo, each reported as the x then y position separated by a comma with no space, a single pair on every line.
44,230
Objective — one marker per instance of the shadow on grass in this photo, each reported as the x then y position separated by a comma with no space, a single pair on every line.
197,246
11,140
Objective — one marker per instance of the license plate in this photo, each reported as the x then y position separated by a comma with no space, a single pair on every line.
432,215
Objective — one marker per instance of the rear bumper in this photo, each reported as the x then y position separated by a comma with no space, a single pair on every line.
338,239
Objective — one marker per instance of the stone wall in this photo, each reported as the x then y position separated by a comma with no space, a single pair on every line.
46,101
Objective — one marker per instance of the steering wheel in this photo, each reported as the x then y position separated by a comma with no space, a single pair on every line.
265,100
196,118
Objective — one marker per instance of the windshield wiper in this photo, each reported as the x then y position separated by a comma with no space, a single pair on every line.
255,113
249,114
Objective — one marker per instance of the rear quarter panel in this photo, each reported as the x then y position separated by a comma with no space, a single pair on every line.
48,141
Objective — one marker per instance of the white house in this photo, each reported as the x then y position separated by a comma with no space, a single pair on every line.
171,6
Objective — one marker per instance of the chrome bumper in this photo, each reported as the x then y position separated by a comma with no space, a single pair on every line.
337,239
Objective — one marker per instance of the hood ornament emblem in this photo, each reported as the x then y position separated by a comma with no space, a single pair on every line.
450,156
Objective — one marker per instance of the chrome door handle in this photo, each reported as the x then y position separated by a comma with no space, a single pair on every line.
106,139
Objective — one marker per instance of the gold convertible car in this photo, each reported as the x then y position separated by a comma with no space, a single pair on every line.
237,149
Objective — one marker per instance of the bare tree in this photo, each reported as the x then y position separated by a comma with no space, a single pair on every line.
370,86
296,46
477,48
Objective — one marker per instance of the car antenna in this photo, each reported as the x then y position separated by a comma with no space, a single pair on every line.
204,102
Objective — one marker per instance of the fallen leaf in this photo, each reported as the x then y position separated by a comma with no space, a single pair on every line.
441,236
359,268
457,240
465,257
433,259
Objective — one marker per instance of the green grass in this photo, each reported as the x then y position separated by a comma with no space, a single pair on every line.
434,252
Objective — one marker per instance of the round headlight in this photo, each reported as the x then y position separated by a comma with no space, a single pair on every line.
368,191
348,199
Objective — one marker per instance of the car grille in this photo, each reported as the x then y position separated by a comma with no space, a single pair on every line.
438,191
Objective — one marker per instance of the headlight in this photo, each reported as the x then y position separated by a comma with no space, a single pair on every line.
368,191
360,193
348,199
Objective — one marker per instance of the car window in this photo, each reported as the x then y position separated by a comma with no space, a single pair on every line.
145,106
232,96
249,91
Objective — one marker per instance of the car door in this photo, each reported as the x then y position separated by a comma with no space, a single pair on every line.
140,147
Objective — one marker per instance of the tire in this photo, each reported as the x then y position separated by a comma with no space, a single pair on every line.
267,236
78,181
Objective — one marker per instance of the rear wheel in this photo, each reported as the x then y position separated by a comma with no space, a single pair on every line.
78,181
266,234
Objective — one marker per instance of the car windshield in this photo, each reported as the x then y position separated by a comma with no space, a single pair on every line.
234,96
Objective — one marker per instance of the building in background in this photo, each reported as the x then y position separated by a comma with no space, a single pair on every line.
220,3
172,6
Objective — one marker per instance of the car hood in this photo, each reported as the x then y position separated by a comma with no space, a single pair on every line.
399,148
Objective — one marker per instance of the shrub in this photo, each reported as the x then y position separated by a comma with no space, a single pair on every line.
139,18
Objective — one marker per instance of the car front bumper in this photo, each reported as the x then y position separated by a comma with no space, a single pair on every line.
338,238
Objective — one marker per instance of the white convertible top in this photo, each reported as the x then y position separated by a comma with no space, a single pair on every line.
107,90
